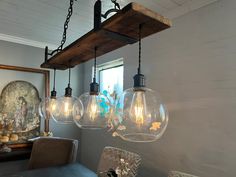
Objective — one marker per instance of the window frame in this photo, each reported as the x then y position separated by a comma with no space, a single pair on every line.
111,67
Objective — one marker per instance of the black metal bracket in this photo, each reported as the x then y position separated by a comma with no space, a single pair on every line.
98,12
50,53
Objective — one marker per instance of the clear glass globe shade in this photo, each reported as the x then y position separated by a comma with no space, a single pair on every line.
65,110
47,107
96,111
140,115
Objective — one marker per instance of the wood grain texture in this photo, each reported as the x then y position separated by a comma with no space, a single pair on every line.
124,24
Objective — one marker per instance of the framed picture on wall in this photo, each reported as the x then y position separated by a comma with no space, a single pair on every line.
21,90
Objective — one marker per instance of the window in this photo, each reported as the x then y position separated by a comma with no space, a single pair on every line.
111,78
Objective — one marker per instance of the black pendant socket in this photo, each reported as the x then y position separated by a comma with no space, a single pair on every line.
94,88
68,91
53,94
139,80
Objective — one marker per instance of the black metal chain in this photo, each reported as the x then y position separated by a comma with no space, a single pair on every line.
140,49
66,25
116,4
115,9
70,12
95,64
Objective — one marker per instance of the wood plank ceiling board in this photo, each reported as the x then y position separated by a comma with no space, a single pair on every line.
180,2
40,22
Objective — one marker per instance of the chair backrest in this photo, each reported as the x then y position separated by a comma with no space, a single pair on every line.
48,152
179,174
120,160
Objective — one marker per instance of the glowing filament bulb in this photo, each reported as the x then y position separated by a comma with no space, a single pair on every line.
53,105
92,108
138,108
67,107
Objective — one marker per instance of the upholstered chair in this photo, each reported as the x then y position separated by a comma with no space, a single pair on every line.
124,163
48,152
179,174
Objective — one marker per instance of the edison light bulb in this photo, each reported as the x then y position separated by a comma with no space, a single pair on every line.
67,106
97,111
92,110
53,104
65,111
141,115
48,107
138,108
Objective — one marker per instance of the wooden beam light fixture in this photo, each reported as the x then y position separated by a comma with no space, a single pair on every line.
115,32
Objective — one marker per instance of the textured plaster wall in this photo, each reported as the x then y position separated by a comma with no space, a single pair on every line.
193,66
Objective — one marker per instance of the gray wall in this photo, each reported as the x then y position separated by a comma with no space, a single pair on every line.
21,55
193,66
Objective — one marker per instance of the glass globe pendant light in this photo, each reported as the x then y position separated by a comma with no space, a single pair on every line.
140,115
96,107
49,105
65,106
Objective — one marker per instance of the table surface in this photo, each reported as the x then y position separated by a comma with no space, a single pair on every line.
72,170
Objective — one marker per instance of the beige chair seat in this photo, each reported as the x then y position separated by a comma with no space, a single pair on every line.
48,152
179,174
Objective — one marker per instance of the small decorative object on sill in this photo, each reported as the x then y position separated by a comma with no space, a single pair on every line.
4,139
4,148
14,137
46,134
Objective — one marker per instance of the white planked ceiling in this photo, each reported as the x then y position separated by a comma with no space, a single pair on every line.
40,22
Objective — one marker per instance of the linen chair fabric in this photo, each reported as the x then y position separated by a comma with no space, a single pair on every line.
50,151
111,159
179,174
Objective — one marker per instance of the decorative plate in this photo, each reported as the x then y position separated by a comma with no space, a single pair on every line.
19,107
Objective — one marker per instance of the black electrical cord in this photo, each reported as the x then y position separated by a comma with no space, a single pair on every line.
139,79
140,49
54,79
95,64
69,77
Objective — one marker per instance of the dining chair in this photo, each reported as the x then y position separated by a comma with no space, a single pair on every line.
118,162
179,174
50,151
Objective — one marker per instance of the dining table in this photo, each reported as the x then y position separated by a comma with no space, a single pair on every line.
71,170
